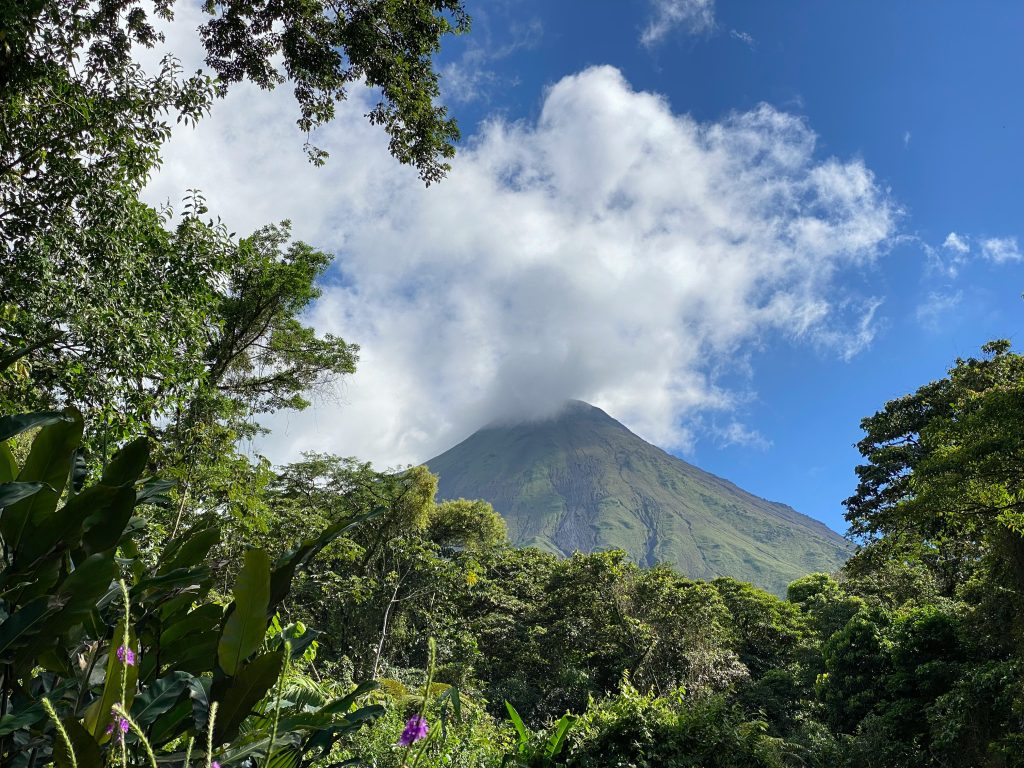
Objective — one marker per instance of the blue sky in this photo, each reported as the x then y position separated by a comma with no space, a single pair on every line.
924,93
738,227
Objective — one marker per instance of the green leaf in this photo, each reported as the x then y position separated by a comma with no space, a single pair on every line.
30,716
190,550
453,694
95,502
18,629
246,690
15,425
195,653
281,580
302,642
252,751
344,704
103,530
287,757
205,617
97,717
159,697
80,591
182,577
49,462
362,715
79,471
8,466
35,581
125,467
308,721
323,738
12,492
557,739
173,723
199,692
154,491
87,751
517,722
246,622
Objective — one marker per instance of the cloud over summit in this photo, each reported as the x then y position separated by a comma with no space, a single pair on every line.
612,251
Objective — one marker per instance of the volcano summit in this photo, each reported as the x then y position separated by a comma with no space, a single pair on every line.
582,481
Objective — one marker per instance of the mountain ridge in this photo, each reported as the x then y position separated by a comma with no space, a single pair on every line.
580,480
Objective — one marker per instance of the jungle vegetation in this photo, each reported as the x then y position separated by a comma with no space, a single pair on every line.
167,600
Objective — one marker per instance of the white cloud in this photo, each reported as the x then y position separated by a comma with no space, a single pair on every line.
739,434
611,251
1001,249
744,37
936,308
855,330
471,77
906,138
946,260
956,243
667,15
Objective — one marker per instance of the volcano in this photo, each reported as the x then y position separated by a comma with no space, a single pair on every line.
581,481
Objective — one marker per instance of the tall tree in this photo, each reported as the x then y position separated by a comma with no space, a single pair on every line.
943,482
91,273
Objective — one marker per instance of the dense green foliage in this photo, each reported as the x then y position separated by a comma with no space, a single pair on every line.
909,656
112,303
126,650
581,481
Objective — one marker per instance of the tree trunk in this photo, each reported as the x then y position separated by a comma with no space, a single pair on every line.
384,630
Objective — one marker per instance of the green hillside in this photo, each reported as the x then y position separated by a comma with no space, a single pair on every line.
582,481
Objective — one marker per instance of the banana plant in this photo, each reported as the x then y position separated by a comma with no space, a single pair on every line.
532,750
105,658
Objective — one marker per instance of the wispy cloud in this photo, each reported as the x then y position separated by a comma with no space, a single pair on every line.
946,260
906,139
956,243
744,37
693,16
1001,249
736,433
854,334
472,76
936,308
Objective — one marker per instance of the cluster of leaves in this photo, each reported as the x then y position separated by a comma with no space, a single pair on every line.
176,664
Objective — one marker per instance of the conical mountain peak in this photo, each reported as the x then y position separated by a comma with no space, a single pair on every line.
580,480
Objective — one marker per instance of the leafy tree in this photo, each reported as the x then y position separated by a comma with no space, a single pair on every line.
466,525
258,358
110,313
856,663
92,274
944,468
321,48
826,603
647,731
978,722
769,630
686,629
503,611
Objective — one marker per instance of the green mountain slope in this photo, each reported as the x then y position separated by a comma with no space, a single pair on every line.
582,481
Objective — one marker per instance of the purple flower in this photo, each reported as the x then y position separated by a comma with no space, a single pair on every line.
126,656
121,724
415,730
214,764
